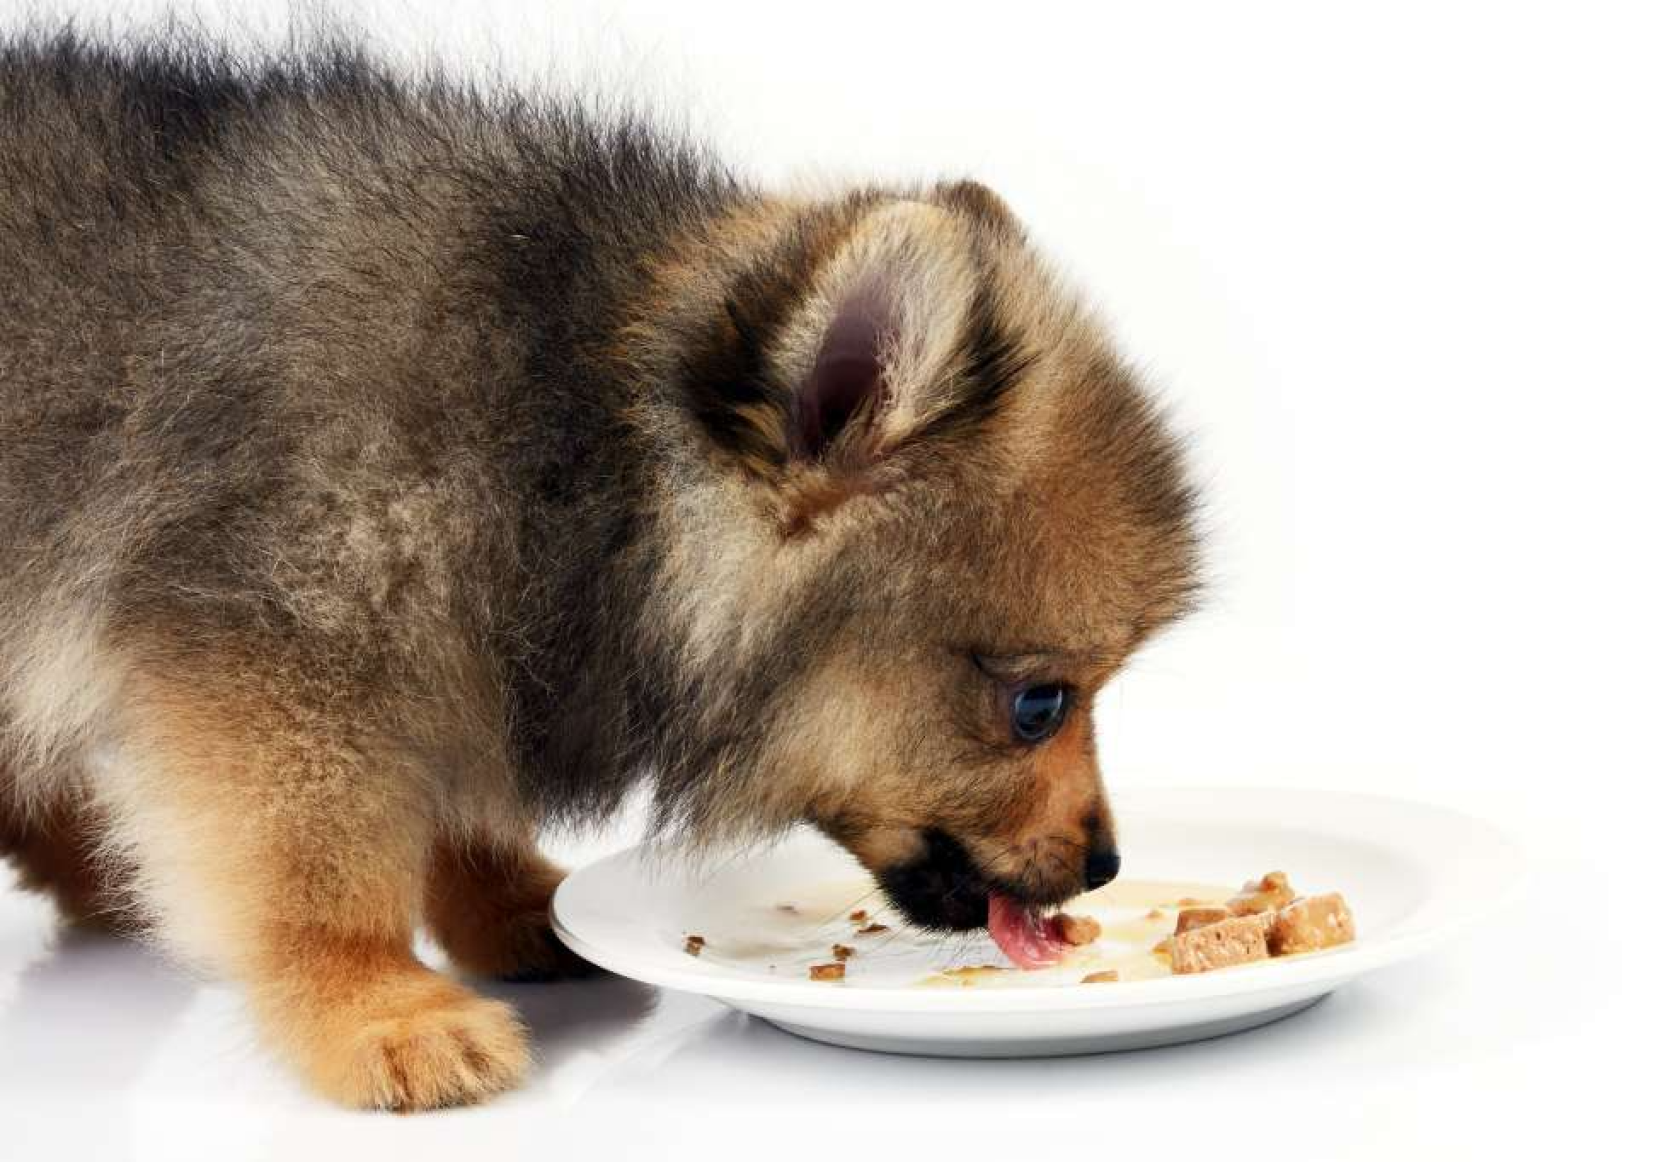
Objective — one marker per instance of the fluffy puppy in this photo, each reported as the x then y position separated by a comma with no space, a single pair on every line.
391,468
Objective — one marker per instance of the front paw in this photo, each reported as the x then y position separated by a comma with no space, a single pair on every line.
539,956
490,911
448,1048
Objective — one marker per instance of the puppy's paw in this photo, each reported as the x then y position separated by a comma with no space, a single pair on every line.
490,911
532,953
449,1048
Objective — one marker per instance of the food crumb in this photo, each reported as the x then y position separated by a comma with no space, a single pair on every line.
1155,914
1078,930
1106,976
694,944
873,930
1268,894
790,908
858,916
828,972
843,951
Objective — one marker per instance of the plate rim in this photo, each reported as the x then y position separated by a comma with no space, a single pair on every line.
1334,965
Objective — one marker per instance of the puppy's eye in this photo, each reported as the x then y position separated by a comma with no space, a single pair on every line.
1037,711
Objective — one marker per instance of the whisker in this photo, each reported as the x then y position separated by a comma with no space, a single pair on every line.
845,912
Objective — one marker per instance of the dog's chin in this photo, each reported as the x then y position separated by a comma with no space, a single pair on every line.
940,888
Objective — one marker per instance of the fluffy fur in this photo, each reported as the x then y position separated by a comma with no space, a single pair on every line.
389,468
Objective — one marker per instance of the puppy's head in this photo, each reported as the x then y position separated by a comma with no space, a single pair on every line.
927,516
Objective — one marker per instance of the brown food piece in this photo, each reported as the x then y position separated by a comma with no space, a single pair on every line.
828,972
1239,940
787,908
1155,914
1106,976
694,944
1190,918
1310,924
1078,929
1269,894
873,930
858,916
843,951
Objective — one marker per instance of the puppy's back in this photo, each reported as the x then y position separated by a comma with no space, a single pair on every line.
126,193
286,340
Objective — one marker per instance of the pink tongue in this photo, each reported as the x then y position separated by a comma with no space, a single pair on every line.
1030,940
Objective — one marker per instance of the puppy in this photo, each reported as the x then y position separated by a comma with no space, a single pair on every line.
390,469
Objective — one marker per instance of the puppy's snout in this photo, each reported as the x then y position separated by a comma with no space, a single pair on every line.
1102,866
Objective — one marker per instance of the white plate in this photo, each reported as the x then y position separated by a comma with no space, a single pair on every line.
1414,876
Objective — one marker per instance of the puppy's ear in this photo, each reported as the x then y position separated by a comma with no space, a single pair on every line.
846,345
845,388
980,203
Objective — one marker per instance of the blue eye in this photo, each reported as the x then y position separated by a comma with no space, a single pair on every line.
1037,711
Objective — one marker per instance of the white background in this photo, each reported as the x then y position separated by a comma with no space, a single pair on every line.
1402,273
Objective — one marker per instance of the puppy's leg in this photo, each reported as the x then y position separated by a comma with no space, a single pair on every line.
488,903
277,840
56,850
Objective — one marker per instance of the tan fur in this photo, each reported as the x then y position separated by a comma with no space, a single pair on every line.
271,841
1057,821
56,688
280,844
370,1027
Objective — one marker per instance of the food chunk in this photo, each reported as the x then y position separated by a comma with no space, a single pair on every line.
1078,929
1190,918
873,930
1268,894
1310,924
858,917
694,944
836,971
843,951
1105,976
1237,940
1265,919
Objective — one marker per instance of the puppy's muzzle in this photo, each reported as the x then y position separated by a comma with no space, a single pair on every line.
943,887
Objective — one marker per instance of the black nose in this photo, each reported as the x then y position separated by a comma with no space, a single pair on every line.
1102,867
